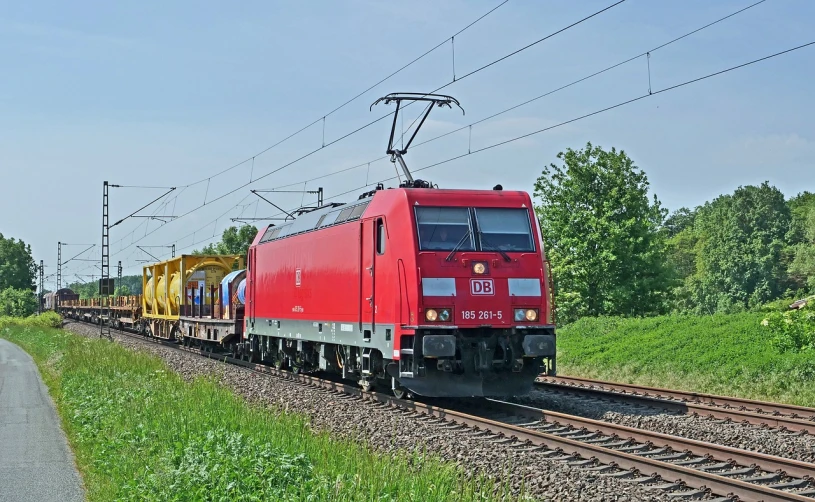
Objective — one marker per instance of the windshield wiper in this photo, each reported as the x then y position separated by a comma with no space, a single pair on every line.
495,248
458,245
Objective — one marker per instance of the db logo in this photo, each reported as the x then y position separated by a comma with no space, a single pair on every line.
482,287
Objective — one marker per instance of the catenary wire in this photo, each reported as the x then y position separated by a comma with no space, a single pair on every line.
597,73
440,44
338,108
581,117
488,65
528,101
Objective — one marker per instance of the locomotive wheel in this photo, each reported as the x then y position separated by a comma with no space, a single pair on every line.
399,392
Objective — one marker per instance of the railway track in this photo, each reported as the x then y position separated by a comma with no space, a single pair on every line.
682,467
747,474
787,418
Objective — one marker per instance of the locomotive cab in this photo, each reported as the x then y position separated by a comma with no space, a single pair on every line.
483,324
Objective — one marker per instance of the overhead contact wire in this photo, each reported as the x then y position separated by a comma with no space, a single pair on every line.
469,126
365,126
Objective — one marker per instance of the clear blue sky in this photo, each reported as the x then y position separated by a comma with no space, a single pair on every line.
151,93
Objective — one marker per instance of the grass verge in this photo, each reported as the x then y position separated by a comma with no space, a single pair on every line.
721,354
139,432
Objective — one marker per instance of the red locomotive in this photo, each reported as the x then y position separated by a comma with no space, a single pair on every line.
429,291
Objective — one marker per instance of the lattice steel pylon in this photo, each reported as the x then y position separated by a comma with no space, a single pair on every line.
59,265
104,282
39,297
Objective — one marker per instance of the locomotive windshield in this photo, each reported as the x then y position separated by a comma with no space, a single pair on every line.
442,228
474,229
504,229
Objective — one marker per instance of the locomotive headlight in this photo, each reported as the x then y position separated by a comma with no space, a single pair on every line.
431,315
530,315
444,315
479,268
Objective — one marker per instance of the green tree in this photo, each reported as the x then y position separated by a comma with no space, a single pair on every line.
800,208
679,220
233,241
802,268
739,251
603,235
17,267
17,302
129,285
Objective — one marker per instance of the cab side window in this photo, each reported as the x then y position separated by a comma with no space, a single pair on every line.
380,236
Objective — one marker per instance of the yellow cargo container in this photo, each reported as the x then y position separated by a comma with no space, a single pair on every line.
167,284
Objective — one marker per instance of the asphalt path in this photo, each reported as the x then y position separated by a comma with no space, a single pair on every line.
36,463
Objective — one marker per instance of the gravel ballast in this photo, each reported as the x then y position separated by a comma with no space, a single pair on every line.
390,432
736,435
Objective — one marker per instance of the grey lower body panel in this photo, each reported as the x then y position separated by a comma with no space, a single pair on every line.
322,331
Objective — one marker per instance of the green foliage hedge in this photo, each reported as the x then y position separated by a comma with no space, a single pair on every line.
17,302
45,320
793,330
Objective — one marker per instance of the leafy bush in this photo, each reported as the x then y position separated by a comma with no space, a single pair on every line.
780,305
44,320
17,302
793,330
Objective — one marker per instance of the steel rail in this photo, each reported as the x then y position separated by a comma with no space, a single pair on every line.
744,491
766,462
783,416
720,484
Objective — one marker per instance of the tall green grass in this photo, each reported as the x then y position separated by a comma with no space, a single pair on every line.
727,354
140,432
45,320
